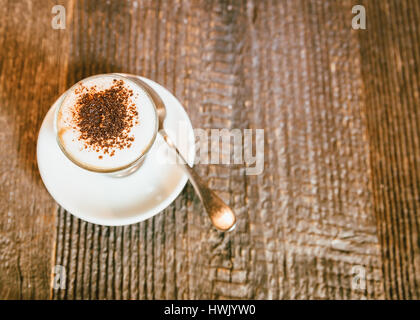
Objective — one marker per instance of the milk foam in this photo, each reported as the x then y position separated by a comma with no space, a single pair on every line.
143,131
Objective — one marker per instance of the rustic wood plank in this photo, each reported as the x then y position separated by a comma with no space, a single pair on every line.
314,190
32,75
292,68
390,55
340,186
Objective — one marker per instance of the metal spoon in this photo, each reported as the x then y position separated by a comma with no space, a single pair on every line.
221,215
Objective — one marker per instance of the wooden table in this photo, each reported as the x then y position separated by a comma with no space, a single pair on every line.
339,197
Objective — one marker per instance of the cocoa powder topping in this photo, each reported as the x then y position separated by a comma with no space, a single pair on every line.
105,118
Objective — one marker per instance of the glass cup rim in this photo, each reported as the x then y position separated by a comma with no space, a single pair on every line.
121,168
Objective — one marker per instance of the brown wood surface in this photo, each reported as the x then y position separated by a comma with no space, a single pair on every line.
340,187
391,60
31,75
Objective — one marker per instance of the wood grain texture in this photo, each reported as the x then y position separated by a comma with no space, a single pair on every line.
391,59
340,186
292,68
32,67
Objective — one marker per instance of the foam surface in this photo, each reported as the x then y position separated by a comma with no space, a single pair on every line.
143,132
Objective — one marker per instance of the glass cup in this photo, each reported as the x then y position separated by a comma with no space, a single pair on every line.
122,170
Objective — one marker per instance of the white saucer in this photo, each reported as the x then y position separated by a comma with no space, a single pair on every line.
110,201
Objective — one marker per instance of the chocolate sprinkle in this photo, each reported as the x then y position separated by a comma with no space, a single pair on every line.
105,118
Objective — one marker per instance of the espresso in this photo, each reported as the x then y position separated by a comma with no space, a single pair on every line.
106,122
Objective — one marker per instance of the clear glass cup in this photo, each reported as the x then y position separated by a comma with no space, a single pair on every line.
127,168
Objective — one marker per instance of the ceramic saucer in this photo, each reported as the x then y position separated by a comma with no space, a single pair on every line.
111,201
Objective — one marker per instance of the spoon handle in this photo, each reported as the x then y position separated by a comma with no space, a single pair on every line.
221,215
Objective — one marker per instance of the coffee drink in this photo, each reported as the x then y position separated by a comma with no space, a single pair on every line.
106,123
